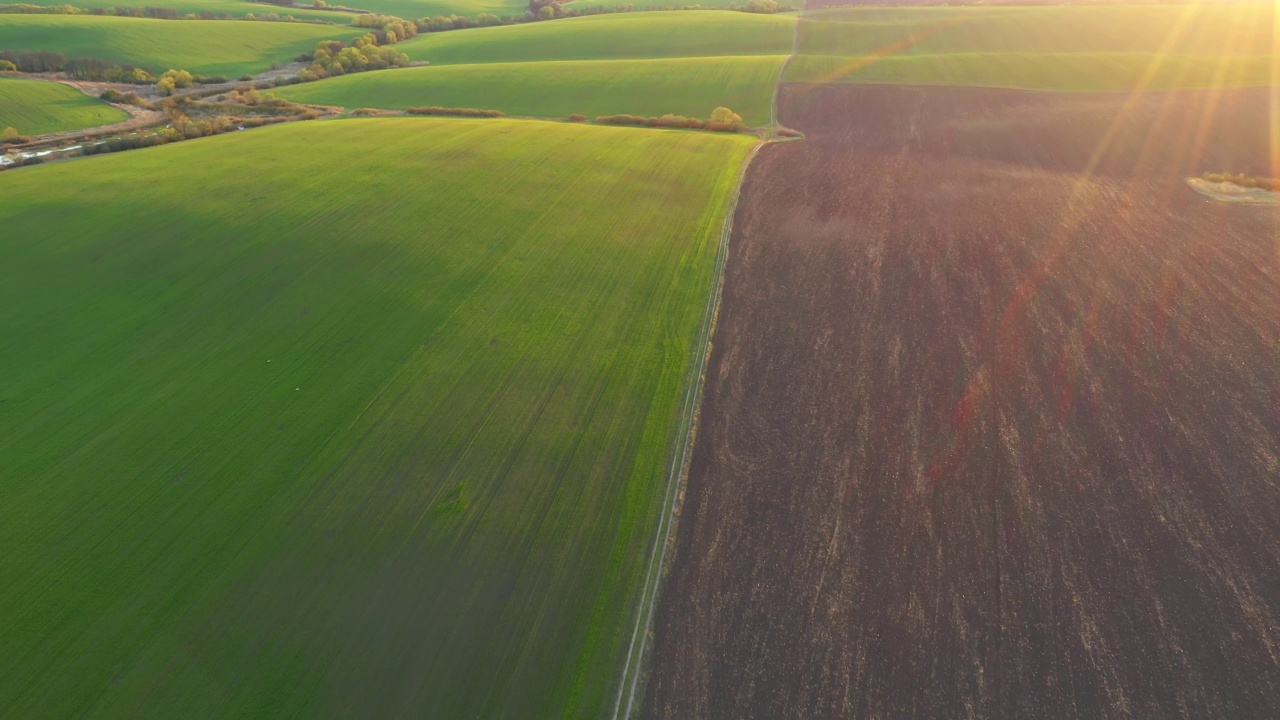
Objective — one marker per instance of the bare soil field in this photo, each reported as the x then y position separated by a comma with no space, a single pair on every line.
992,424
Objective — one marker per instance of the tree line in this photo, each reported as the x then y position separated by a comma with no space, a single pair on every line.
43,61
153,13
722,120
1243,180
538,9
455,112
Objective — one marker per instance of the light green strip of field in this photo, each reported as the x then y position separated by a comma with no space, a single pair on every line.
1064,48
684,86
235,8
35,107
213,47
606,37
414,9
1190,29
1039,71
364,418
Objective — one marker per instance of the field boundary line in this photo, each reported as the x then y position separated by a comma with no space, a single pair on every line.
677,478
633,669
782,73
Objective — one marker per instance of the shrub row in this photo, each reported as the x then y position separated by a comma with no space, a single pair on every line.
1244,181
722,120
40,61
116,97
455,112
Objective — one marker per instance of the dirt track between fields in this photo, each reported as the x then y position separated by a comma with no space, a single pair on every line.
992,421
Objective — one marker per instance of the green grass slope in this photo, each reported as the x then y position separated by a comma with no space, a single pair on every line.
366,418
684,86
35,107
1054,48
606,37
229,47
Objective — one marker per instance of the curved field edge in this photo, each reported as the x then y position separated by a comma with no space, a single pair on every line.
684,86
336,436
37,107
646,35
635,669
211,47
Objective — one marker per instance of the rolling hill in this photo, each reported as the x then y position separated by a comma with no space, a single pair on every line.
213,47
684,86
611,37
365,418
36,107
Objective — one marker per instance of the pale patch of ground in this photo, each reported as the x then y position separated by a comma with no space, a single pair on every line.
1232,193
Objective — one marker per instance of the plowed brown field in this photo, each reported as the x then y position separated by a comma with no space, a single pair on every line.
992,424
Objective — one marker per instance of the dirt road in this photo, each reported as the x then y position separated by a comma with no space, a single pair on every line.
992,423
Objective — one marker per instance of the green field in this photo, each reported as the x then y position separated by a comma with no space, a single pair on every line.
1039,71
1054,48
214,47
235,8
36,107
609,37
366,418
685,86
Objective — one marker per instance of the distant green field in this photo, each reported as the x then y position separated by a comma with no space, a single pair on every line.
35,107
236,8
1196,29
1053,48
685,86
366,418
607,37
228,47
1039,71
